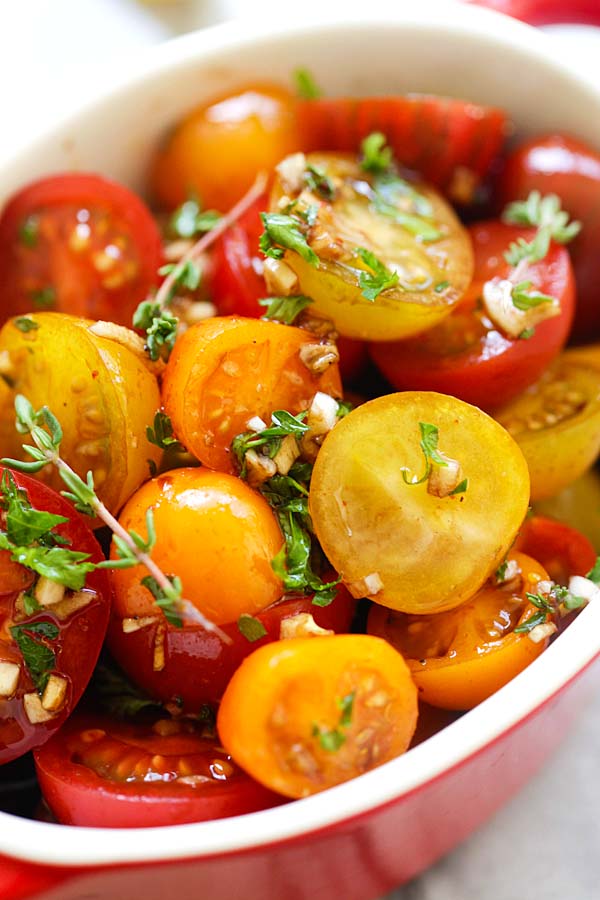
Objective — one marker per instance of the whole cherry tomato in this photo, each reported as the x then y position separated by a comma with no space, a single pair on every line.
324,710
562,165
51,629
220,147
467,354
106,773
77,243
461,657
563,551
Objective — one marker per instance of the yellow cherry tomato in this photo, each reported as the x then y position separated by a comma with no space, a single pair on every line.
352,217
399,542
102,394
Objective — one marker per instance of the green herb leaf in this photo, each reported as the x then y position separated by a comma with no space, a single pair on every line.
285,309
318,181
344,407
29,231
166,600
460,488
68,567
594,573
500,573
524,298
544,213
38,657
186,274
282,231
30,604
330,739
251,628
428,443
346,705
306,87
161,434
25,324
189,220
379,279
441,286
538,618
376,156
526,334
43,298
160,328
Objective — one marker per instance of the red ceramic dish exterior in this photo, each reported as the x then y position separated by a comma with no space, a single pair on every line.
358,859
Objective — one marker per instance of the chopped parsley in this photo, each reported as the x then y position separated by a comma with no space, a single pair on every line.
376,156
441,286
284,232
285,309
160,328
189,220
269,440
331,739
460,488
306,87
318,181
161,432
25,324
379,279
429,445
524,298
594,573
251,628
32,639
545,214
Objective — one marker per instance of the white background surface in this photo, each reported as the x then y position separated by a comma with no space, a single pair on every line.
545,845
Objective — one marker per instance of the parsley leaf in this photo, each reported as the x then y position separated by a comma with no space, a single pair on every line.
38,657
376,156
346,705
460,488
318,181
282,231
429,445
24,524
161,433
190,220
285,309
306,87
524,298
379,279
251,628
25,324
68,567
282,424
330,739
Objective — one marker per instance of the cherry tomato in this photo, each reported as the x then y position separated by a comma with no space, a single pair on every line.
450,143
467,355
386,535
562,165
556,423
80,244
46,660
577,506
409,229
546,12
101,392
214,532
224,371
563,551
198,664
237,283
324,710
220,147
106,773
461,657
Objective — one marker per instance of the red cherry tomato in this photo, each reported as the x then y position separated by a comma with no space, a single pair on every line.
546,12
450,143
563,551
67,635
198,664
102,772
237,283
80,244
465,355
559,164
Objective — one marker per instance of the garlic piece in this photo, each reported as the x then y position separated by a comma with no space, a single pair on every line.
583,587
322,414
48,592
369,586
280,278
318,357
256,424
540,632
34,710
287,454
291,172
444,479
9,678
498,302
259,468
301,625
136,623
55,693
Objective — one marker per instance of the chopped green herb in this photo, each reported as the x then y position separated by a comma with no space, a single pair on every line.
189,220
524,298
429,446
186,274
166,600
460,488
318,181
306,87
379,279
441,286
161,433
25,324
284,232
160,328
251,628
24,524
29,231
344,407
285,309
68,567
526,334
283,423
330,739
501,571
44,297
38,657
30,604
346,705
594,573
376,156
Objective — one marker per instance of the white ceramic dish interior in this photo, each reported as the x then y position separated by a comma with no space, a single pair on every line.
444,48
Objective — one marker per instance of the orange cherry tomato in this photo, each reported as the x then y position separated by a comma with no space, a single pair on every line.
460,657
224,371
219,148
323,710
214,532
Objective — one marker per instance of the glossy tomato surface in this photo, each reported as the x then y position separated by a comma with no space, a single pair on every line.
67,635
113,774
77,243
562,550
467,355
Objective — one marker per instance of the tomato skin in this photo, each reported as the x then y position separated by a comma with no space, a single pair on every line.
77,795
56,261
562,165
465,355
438,137
563,551
80,634
199,665
219,148
237,283
546,12
461,657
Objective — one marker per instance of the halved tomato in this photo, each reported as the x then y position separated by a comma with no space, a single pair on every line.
563,551
77,243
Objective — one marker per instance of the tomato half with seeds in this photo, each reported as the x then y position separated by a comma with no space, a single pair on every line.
461,657
467,354
385,522
219,148
324,710
106,773
198,664
563,551
77,243
450,143
101,392
47,655
563,165
384,259
224,371
556,423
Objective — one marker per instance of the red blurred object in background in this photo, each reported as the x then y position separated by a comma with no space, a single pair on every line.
546,12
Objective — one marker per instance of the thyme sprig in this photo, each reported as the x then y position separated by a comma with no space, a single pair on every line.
132,549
